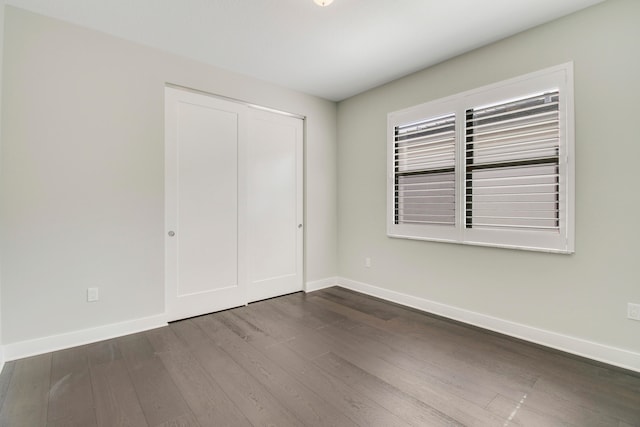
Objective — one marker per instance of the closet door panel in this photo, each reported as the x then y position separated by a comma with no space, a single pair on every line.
275,234
203,138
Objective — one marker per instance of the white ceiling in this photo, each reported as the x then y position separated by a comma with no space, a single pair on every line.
333,52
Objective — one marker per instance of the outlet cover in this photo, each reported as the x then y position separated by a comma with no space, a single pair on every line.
92,294
633,311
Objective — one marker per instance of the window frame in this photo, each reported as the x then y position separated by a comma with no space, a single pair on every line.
561,241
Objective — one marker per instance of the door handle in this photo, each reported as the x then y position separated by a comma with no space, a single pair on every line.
171,233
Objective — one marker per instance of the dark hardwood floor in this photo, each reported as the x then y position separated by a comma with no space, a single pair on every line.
330,358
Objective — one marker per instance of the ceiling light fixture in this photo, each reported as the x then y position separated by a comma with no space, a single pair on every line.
323,2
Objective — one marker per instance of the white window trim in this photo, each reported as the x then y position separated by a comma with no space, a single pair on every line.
560,77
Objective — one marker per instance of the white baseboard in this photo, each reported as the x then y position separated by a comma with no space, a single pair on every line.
591,350
320,284
580,347
21,349
37,346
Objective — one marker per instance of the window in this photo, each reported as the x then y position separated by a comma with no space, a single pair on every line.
492,166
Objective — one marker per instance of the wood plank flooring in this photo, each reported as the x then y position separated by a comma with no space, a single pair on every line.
330,358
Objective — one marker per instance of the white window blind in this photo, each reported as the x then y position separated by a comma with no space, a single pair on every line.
512,164
492,166
424,161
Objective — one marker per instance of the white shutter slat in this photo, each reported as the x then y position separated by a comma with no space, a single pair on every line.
423,149
546,119
515,226
435,125
524,106
508,146
432,139
479,181
420,157
424,184
545,136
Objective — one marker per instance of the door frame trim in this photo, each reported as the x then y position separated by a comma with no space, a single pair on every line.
236,100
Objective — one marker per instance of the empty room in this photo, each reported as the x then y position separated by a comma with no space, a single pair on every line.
319,213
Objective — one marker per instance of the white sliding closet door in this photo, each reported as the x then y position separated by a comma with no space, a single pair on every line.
274,204
233,204
205,139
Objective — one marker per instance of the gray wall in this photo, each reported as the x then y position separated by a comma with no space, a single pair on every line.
582,295
83,174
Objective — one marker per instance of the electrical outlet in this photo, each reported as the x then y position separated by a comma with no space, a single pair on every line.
633,311
92,294
367,262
